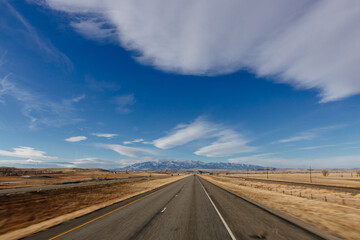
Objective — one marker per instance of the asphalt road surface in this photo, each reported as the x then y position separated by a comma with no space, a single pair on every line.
49,187
191,208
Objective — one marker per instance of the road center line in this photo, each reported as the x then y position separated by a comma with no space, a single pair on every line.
221,217
163,210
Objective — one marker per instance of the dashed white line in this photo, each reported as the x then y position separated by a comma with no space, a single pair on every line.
221,217
163,210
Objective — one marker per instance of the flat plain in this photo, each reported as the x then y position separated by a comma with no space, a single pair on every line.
331,203
22,210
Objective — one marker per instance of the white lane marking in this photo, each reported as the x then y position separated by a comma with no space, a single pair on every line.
221,217
163,210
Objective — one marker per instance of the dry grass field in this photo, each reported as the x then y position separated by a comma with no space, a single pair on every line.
334,209
23,210
19,178
349,178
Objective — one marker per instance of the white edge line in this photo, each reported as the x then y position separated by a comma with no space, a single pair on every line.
221,217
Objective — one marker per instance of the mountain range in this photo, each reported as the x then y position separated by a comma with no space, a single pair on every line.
187,165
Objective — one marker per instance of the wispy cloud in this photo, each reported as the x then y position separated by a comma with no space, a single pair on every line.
26,152
124,102
101,86
105,135
77,163
263,159
138,140
90,163
127,151
38,109
229,142
328,145
96,29
78,98
271,39
41,43
185,133
310,134
76,139
300,137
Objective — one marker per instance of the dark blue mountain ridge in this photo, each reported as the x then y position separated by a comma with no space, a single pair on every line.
187,165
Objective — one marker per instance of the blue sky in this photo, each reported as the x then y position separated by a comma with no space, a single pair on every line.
109,83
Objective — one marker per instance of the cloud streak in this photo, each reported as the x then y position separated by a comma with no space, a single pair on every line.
39,110
310,134
138,140
26,152
76,139
307,44
105,135
229,142
41,43
127,151
124,102
186,133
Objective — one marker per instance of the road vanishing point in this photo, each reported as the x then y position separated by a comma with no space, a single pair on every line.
191,208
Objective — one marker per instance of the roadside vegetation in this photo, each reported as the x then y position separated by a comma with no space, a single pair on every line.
322,203
25,213
20,178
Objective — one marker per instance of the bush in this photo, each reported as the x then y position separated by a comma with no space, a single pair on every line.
325,172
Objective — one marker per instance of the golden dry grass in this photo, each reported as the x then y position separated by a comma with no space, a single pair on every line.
19,211
337,217
20,178
341,177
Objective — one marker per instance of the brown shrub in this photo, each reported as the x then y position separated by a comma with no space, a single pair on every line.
325,172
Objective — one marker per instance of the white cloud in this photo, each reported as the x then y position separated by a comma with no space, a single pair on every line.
186,133
96,29
39,110
77,163
308,44
91,163
127,151
123,103
101,86
105,135
302,136
76,139
138,140
26,152
38,43
78,98
263,159
229,143
310,134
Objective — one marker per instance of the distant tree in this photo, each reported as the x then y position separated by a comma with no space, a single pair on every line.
358,173
325,172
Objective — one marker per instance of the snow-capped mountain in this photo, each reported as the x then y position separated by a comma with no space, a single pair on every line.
186,165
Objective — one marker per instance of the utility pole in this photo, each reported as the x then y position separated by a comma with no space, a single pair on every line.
267,173
310,175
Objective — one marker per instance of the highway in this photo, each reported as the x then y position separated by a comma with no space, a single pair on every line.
191,208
